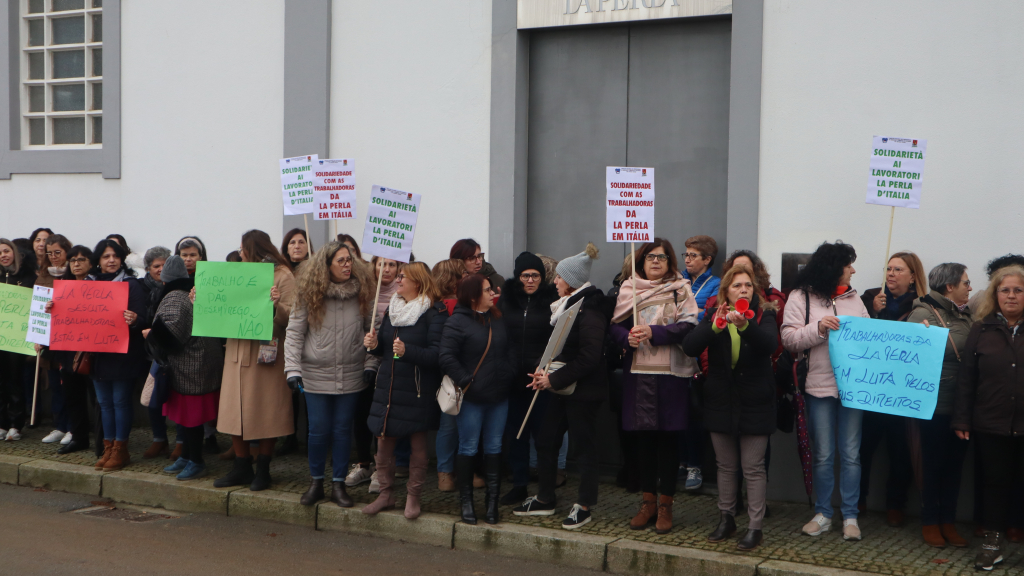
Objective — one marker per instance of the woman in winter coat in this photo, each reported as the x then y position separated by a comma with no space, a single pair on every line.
739,395
475,355
194,365
989,402
295,248
526,309
55,262
655,372
942,453
325,358
16,269
38,242
404,402
154,261
904,284
76,387
581,364
255,402
447,274
823,292
114,375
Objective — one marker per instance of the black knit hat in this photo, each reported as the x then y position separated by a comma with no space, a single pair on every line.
529,261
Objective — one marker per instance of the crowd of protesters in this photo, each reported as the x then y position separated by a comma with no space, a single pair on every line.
676,351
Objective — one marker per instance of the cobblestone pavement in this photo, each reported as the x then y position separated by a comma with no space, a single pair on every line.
884,550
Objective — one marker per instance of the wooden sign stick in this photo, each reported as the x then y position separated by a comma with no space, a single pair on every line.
888,242
632,257
530,409
35,389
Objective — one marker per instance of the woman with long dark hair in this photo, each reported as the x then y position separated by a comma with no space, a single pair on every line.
823,293
295,247
255,401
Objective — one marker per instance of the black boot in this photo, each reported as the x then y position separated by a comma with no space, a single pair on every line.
73,446
726,528
492,475
314,494
750,541
240,474
210,445
340,496
464,471
262,479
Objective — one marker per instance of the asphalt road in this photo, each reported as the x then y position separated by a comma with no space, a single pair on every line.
44,532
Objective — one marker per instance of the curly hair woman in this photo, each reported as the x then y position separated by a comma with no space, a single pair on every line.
823,293
325,357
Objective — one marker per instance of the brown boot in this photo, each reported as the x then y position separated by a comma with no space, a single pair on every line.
933,536
108,448
446,482
155,449
385,477
664,523
952,536
647,513
227,455
417,475
119,457
176,453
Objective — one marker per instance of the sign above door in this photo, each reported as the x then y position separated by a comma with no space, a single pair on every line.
547,13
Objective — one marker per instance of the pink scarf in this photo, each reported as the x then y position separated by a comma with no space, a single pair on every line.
661,303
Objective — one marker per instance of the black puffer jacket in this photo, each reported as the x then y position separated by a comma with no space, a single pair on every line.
132,364
738,400
463,343
528,323
583,352
990,389
404,400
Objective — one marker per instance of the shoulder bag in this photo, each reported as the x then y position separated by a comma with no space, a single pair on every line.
449,396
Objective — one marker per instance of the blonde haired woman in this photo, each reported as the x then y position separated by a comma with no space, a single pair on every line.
324,357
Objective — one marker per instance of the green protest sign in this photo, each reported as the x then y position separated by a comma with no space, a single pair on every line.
233,300
15,302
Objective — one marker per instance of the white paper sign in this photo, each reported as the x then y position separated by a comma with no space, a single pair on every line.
297,184
38,319
390,223
334,189
897,168
630,204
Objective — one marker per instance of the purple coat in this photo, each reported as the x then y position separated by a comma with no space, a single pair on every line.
653,401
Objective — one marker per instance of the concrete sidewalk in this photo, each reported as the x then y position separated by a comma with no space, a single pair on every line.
606,543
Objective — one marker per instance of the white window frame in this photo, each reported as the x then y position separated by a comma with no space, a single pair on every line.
47,49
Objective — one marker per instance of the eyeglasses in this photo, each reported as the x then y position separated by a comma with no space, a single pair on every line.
656,257
529,277
489,290
1007,291
895,269
692,256
400,277
343,261
55,253
966,283
79,260
478,258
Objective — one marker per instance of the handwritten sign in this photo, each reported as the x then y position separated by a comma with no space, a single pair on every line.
390,223
89,316
334,189
629,204
38,319
897,171
888,367
297,184
14,309
233,300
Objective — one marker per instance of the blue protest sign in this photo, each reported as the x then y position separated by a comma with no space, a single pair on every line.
888,367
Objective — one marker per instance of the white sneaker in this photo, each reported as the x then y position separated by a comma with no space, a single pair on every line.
818,525
12,435
374,484
66,439
52,437
851,531
358,475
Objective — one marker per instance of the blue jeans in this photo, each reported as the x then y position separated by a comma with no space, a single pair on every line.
831,424
331,417
115,400
60,414
487,420
447,443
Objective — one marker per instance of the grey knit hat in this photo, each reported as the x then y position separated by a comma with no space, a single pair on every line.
174,269
575,270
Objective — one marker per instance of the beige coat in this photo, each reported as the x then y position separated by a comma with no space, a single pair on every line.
255,401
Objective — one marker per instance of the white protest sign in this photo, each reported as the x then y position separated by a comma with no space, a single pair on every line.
38,319
390,223
630,204
897,167
297,184
334,189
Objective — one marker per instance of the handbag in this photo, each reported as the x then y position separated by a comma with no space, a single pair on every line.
82,364
449,396
564,391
